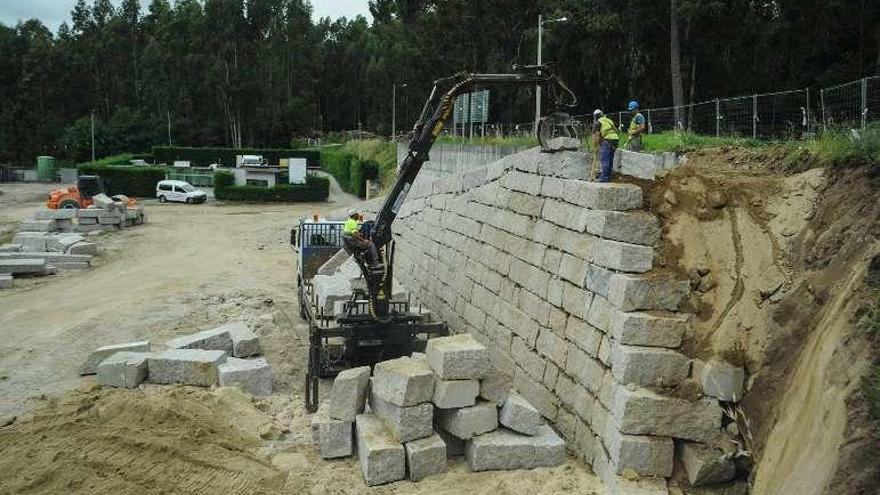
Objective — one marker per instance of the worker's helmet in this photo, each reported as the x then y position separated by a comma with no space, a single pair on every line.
597,113
352,212
632,105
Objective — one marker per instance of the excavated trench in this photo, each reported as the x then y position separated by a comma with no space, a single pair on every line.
777,263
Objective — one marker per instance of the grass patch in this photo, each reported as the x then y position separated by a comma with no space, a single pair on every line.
845,147
683,141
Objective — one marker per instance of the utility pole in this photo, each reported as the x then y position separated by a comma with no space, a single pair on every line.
93,136
541,23
538,86
394,109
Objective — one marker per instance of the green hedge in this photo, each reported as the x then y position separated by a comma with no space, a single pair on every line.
351,172
202,157
125,179
315,189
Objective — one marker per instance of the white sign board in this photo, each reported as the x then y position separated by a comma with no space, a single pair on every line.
296,170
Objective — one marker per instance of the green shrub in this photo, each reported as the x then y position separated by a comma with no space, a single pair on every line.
315,189
126,179
350,171
842,147
202,157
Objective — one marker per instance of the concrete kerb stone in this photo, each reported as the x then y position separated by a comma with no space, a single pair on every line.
187,366
37,226
21,266
214,339
90,366
645,455
634,292
643,329
85,248
504,449
381,457
245,343
349,394
458,357
609,196
449,394
123,370
61,243
425,457
642,412
705,464
404,381
252,375
31,241
622,256
500,449
333,436
406,423
648,366
496,386
60,214
549,448
468,422
634,227
520,416
722,380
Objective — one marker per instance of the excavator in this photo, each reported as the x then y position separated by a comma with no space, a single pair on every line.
80,195
374,327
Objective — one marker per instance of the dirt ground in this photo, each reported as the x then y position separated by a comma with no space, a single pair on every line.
189,268
777,261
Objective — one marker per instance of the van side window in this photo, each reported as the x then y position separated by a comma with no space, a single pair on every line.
164,187
179,189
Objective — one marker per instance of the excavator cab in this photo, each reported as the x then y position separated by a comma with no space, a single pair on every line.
89,186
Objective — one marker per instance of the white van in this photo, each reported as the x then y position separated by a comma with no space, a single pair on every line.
178,190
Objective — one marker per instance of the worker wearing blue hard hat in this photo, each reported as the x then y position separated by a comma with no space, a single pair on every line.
637,126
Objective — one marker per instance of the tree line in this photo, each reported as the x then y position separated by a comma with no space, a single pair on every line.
260,72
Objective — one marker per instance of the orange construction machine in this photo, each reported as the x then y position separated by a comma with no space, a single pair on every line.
80,195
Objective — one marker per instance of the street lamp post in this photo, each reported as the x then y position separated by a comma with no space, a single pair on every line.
394,109
541,23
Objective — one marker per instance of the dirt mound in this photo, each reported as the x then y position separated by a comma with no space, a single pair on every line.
777,263
159,440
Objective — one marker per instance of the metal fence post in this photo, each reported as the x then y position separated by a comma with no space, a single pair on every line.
807,123
755,116
717,118
822,104
649,126
864,109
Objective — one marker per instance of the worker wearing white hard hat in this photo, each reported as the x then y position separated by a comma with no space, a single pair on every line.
355,242
605,140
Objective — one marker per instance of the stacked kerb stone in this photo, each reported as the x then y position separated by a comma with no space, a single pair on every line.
554,274
428,407
224,356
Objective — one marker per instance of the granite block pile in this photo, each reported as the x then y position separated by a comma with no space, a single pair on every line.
334,282
56,239
227,355
414,412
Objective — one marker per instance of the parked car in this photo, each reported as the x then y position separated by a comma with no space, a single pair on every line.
178,190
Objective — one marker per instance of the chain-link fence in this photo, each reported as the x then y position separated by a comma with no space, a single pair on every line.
783,115
852,105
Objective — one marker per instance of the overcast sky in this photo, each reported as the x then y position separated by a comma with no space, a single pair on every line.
54,12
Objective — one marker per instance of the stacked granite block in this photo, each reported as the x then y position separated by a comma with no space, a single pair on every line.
221,356
427,407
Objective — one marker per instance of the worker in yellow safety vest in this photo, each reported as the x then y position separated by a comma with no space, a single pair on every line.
605,140
637,126
355,242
